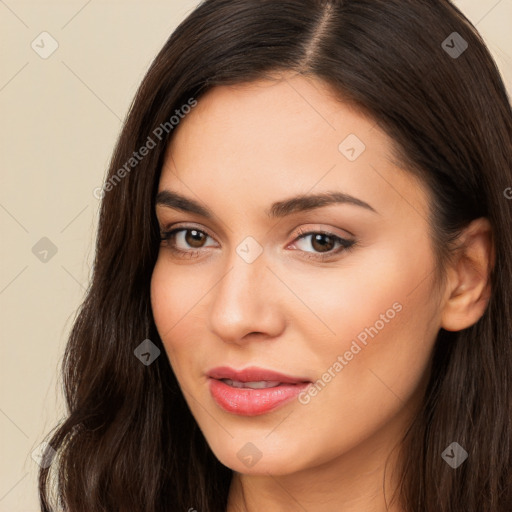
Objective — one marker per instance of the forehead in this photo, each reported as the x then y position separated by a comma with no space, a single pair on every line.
292,107
283,137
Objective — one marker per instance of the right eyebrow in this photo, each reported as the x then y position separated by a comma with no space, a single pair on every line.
178,202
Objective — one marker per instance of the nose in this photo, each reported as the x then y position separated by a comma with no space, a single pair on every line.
245,302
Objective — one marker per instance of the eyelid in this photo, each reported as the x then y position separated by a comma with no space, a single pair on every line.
167,228
327,230
345,244
301,231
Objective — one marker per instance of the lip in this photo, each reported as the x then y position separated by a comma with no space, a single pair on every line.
252,374
253,402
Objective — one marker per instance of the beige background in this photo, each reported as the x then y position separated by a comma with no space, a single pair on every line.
60,117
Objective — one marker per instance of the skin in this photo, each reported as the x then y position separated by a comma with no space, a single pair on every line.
242,148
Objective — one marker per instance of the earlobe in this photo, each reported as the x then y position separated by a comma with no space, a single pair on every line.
468,289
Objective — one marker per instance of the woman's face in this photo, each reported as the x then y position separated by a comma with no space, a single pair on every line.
336,296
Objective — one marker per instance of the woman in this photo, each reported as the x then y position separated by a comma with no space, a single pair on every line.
301,291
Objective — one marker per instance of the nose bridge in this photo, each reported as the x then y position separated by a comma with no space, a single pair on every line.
244,299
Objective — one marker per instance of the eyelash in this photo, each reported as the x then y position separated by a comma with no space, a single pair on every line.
345,244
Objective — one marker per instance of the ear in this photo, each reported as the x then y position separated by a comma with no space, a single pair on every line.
468,285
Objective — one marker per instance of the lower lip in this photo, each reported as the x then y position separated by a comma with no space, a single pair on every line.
252,402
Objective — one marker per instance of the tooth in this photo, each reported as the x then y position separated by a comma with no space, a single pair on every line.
262,384
232,383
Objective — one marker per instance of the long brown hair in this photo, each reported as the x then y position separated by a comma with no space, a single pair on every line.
421,70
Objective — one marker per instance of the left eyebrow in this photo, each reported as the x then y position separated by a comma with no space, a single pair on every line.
278,209
310,202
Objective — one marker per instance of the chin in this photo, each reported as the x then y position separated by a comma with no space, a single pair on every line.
258,458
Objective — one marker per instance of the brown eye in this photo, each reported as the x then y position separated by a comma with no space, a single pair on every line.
322,242
195,238
185,242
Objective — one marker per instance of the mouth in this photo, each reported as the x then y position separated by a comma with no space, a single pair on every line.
261,384
253,391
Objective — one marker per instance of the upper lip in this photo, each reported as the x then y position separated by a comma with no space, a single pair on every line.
253,374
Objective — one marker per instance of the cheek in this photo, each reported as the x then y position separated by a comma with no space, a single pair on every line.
381,321
175,300
375,287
